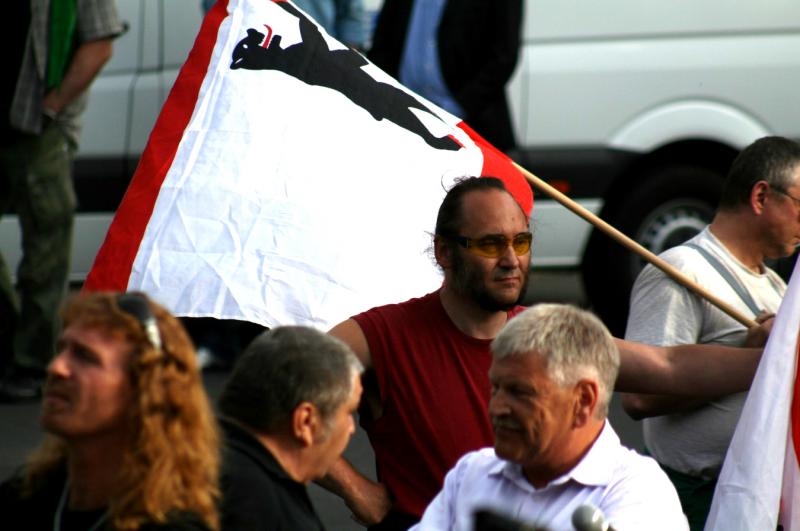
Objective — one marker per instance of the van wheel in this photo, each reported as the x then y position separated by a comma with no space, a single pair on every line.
671,205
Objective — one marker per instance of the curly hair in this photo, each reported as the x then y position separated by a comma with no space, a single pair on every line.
158,476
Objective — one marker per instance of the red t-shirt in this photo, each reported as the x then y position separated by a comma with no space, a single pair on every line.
434,386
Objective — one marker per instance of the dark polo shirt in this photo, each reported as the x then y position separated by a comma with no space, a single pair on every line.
257,494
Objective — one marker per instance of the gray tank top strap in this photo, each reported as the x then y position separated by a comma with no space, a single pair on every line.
734,283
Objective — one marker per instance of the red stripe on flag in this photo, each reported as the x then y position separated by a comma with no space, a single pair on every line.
112,266
497,164
795,415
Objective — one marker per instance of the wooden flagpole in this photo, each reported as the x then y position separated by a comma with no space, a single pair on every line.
633,246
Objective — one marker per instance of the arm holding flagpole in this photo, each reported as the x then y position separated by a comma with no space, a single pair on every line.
732,378
633,246
685,370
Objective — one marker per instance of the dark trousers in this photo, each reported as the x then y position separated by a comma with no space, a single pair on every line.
695,494
36,181
395,521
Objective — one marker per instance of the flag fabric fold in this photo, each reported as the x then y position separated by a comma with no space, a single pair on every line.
287,179
758,484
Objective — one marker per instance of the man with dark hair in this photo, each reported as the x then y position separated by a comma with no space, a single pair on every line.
287,412
345,20
459,54
758,218
426,387
429,356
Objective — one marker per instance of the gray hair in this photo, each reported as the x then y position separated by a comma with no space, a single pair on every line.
573,342
284,367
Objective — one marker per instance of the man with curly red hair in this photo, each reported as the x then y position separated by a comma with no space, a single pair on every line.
131,438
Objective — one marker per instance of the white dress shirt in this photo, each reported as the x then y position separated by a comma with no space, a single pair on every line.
630,489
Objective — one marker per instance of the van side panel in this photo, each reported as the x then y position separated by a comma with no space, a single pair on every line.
585,92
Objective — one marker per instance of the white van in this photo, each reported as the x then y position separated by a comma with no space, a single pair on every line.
636,108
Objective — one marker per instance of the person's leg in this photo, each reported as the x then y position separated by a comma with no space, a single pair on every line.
695,495
46,210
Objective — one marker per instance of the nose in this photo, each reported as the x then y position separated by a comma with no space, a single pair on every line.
58,366
509,258
497,404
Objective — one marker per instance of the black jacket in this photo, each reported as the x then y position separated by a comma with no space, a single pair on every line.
479,43
36,512
257,494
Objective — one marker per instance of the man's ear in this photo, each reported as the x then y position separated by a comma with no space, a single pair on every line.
443,252
758,197
586,395
306,424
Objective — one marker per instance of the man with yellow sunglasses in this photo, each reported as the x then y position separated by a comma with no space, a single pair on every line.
426,389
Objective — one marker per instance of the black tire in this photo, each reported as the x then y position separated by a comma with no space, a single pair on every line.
670,206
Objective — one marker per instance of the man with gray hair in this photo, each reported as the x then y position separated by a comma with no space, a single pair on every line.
287,413
758,218
552,375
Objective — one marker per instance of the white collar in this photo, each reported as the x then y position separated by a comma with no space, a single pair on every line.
596,469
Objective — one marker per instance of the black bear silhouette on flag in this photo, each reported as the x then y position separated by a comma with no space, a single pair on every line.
313,63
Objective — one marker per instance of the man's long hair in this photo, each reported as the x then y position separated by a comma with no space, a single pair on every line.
171,462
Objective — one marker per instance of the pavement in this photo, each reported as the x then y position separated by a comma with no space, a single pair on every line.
20,432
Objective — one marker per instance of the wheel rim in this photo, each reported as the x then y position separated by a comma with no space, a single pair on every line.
671,224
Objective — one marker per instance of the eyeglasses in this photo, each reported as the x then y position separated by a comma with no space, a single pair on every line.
794,199
495,245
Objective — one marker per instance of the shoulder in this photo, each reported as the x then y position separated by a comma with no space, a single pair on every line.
652,281
685,259
682,257
410,307
516,310
640,493
476,464
394,318
247,467
481,458
243,471
250,494
11,487
633,467
20,511
99,19
178,521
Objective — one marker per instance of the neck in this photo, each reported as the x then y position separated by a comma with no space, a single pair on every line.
287,454
579,444
92,472
735,231
469,317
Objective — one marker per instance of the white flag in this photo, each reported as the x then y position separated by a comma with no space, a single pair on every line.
758,485
287,180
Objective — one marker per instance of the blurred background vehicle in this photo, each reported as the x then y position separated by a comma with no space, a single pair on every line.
637,109
634,109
